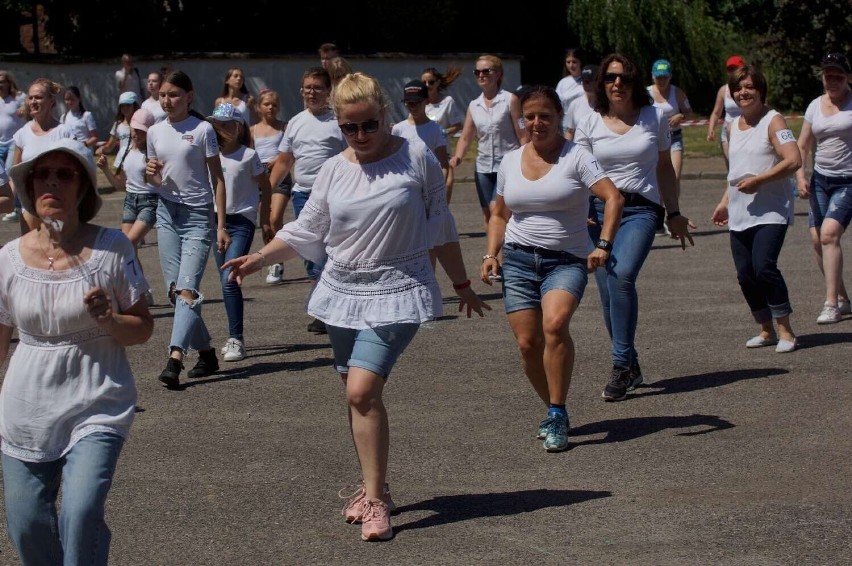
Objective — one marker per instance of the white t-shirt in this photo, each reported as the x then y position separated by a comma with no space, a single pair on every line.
184,148
29,142
629,159
10,122
577,111
153,106
134,82
312,140
240,169
568,88
430,133
550,212
833,156
751,153
68,377
670,107
134,174
121,132
377,222
80,124
445,112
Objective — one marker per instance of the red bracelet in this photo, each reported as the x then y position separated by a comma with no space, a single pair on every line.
461,286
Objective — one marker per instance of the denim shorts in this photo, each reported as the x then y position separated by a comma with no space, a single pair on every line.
373,349
528,274
285,187
486,185
831,197
677,141
141,207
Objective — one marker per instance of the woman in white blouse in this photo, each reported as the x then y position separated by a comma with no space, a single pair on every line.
376,209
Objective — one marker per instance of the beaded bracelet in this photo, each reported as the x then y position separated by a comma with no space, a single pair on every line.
460,286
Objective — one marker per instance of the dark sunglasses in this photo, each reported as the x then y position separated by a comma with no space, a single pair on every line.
611,77
429,83
64,174
368,127
480,72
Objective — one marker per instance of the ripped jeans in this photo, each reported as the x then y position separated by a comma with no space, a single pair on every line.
184,237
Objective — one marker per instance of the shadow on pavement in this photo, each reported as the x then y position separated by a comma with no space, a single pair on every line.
700,381
464,507
622,430
824,338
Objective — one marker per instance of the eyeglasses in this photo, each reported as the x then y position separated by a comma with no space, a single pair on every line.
313,88
429,83
612,77
480,72
352,128
64,174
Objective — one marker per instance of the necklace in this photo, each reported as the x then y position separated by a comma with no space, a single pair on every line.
50,259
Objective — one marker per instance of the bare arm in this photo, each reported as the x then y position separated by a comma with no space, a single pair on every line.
679,224
119,182
214,165
5,340
791,159
716,114
265,205
806,144
500,214
464,142
130,327
281,168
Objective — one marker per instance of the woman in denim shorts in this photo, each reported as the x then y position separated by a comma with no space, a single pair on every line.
828,124
540,218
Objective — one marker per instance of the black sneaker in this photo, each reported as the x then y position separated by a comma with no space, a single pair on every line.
636,378
619,380
170,377
317,327
207,364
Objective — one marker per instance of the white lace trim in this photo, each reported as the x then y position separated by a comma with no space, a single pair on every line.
63,340
27,455
84,270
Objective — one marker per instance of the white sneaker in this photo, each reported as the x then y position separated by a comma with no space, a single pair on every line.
829,315
234,350
275,275
11,217
845,307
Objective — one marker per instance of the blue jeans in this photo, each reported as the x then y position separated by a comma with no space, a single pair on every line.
241,230
184,237
372,349
756,252
486,186
80,534
299,199
617,282
831,197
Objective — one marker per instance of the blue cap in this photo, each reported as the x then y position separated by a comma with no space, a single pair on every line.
661,68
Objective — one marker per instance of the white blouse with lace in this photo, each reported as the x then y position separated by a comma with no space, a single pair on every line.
376,222
67,377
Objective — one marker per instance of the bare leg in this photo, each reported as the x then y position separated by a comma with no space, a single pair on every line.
832,259
785,331
558,306
526,325
369,424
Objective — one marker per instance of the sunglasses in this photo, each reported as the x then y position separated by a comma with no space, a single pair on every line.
612,77
313,88
64,174
480,72
352,128
429,83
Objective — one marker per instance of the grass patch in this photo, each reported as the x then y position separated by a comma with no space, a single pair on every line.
695,142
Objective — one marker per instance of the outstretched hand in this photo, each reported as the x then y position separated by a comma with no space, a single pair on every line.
679,227
469,299
243,266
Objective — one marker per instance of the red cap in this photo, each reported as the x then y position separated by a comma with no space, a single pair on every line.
734,61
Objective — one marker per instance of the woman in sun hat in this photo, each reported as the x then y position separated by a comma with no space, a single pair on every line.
73,291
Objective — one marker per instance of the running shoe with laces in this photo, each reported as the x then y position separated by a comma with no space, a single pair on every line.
829,314
275,275
375,521
542,428
355,495
636,378
234,350
619,381
556,439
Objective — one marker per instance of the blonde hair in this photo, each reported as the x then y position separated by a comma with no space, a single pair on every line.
359,87
496,64
268,94
52,88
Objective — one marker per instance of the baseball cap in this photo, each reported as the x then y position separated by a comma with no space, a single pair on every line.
415,91
589,72
72,147
836,61
226,112
142,120
128,98
661,68
734,62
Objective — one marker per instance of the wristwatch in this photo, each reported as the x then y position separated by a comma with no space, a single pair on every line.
605,245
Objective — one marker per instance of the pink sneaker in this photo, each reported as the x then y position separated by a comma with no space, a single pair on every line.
355,494
375,520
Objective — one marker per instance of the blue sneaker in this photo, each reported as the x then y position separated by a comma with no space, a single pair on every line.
556,439
542,428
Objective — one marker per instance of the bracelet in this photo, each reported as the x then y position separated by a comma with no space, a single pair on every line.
460,286
489,256
671,215
262,259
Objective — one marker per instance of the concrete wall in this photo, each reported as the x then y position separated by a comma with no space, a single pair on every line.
100,95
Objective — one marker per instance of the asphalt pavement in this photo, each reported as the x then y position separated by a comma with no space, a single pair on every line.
724,456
